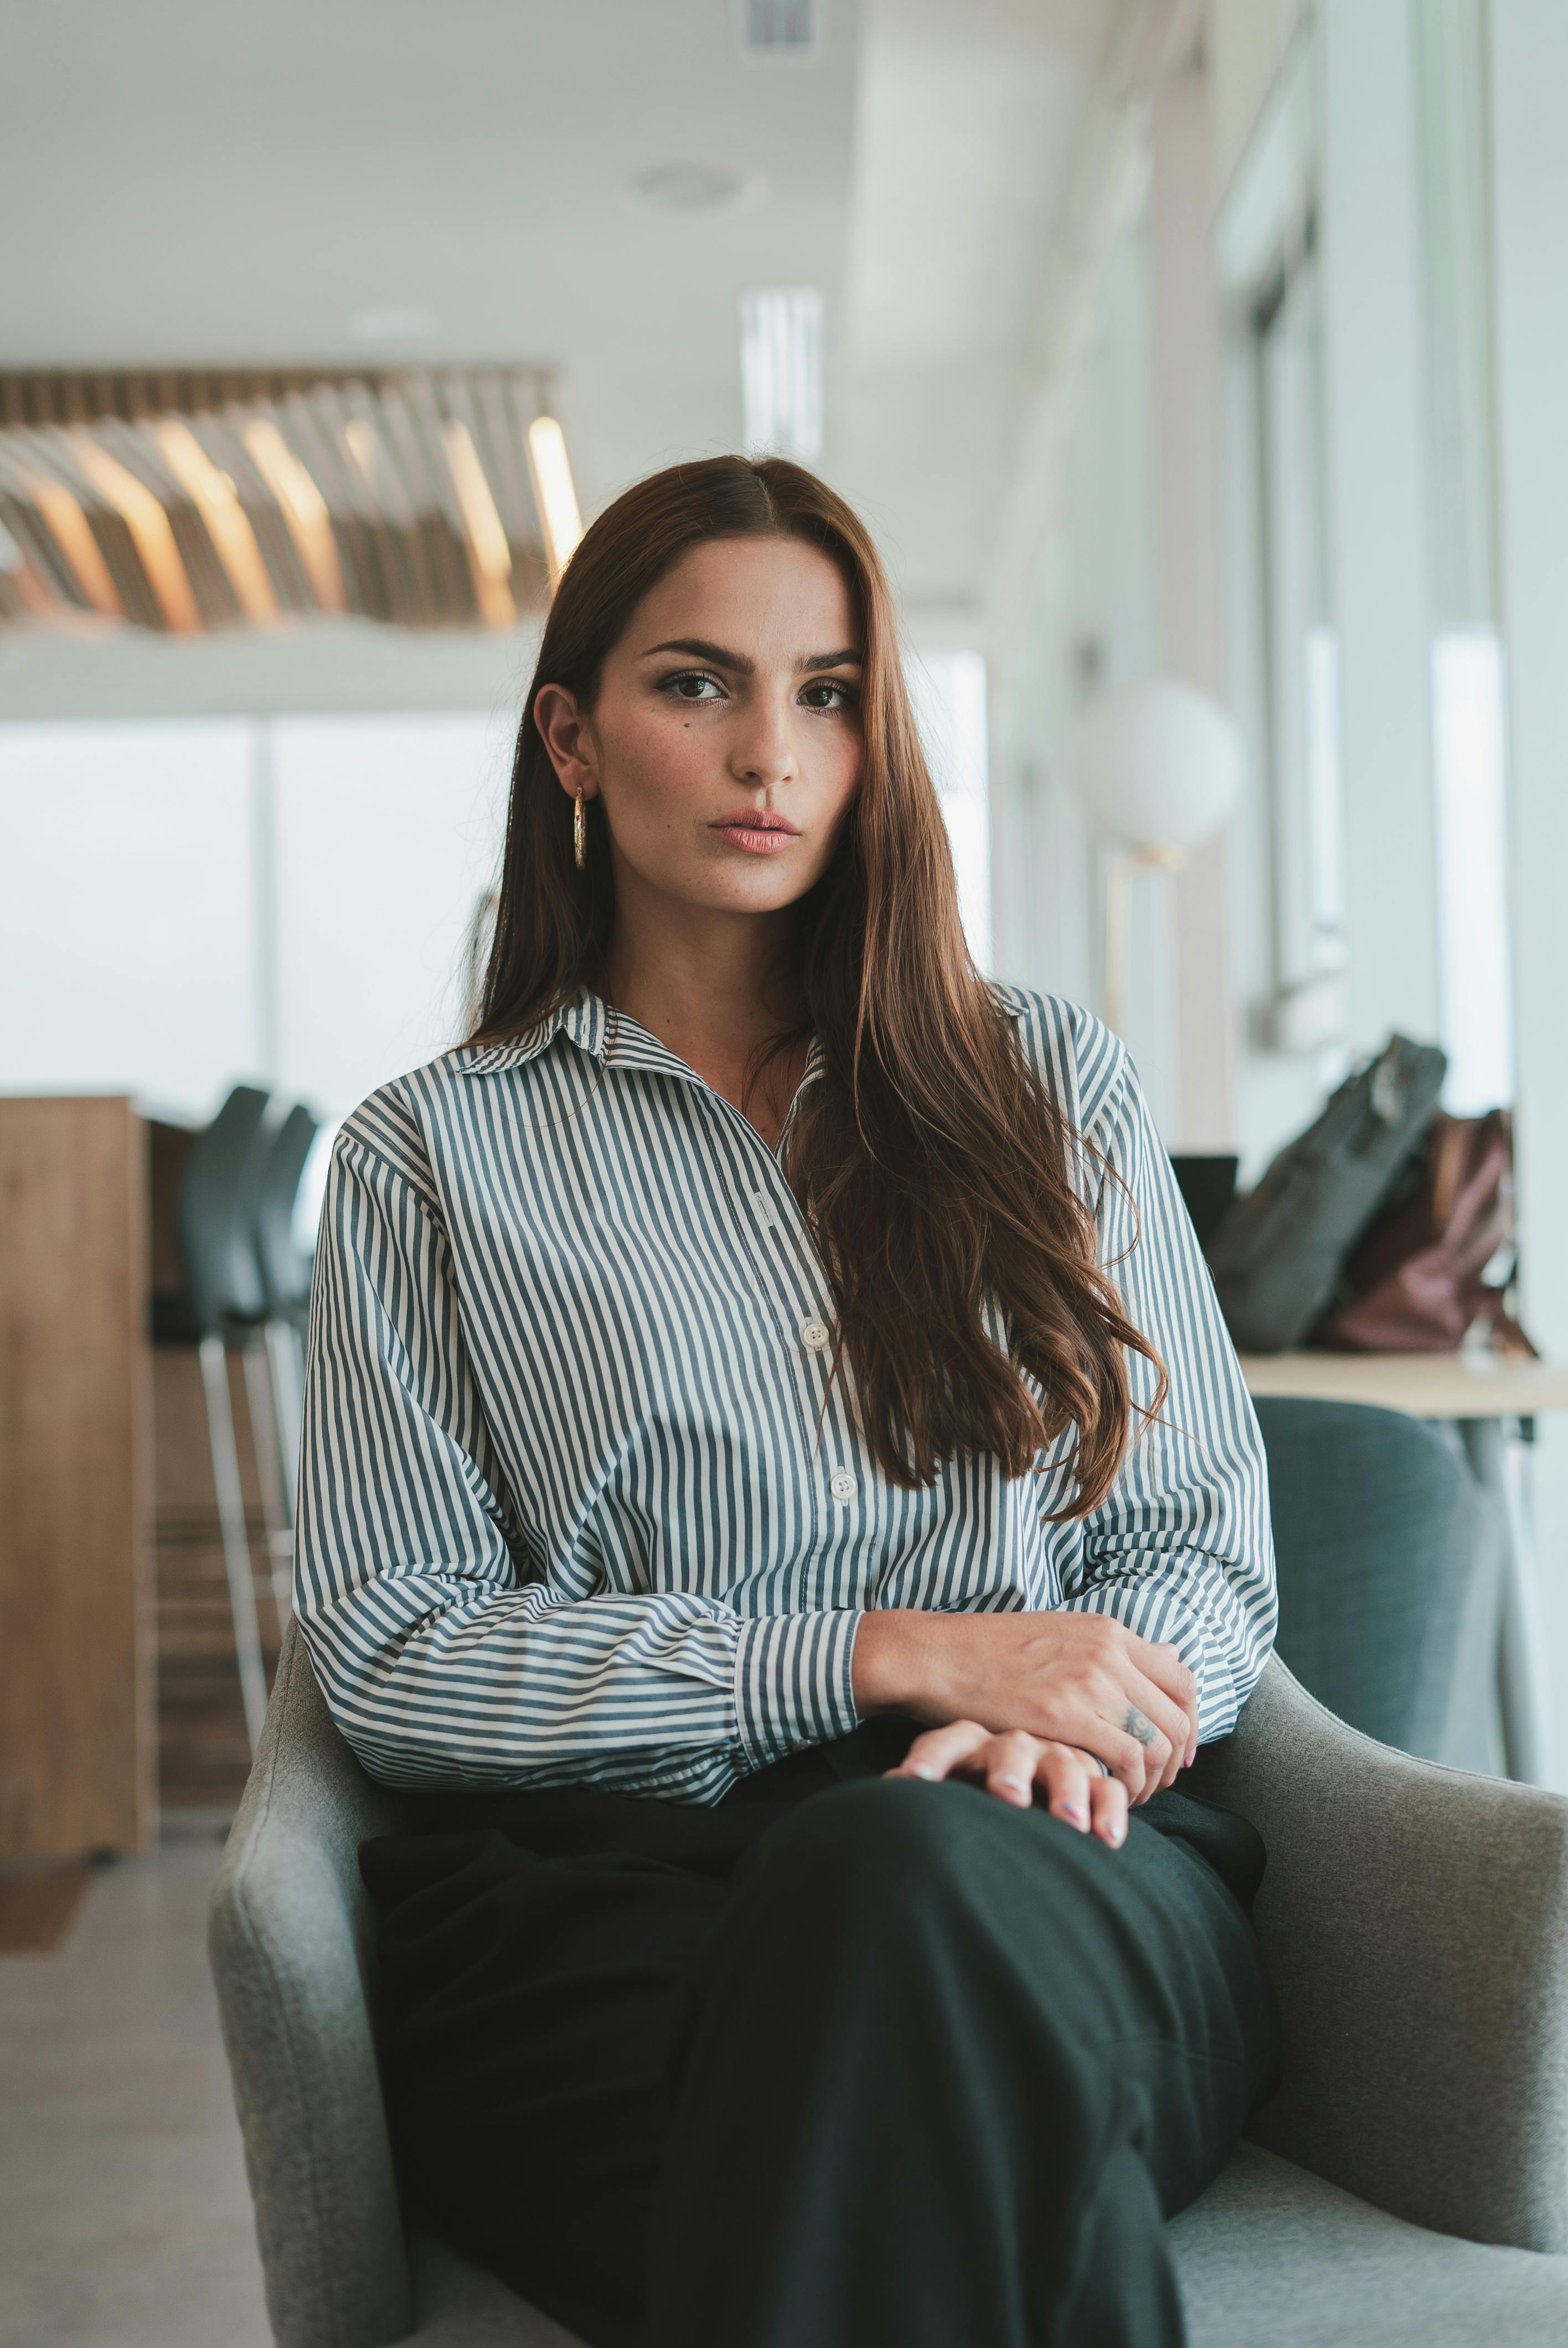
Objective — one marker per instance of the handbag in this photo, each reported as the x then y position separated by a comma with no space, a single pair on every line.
1279,1252
1437,1263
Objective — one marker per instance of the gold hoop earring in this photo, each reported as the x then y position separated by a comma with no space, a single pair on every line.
579,832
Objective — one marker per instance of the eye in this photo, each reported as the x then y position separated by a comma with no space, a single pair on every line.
692,685
829,694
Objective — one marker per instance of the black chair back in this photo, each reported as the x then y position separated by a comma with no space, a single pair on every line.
284,1268
213,1223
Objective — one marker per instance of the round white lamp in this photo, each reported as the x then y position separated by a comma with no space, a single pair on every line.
1157,768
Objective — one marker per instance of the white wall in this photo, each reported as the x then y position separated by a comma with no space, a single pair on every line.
344,664
1189,582
387,833
1244,42
1093,625
127,929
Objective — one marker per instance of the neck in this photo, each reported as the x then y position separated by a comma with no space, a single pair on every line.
722,979
710,983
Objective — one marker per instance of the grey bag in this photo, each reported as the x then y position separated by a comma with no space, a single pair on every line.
1279,1252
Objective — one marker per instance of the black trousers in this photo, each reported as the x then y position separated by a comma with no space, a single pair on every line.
843,2063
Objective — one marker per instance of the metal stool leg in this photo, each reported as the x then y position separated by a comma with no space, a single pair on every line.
287,1372
265,1434
236,1546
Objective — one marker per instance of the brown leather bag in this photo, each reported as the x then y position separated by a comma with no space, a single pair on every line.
1415,1281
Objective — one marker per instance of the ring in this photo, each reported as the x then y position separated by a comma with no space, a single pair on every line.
1136,1725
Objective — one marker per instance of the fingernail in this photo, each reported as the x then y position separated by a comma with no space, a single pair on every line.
1070,1811
922,1769
1018,1785
1118,1831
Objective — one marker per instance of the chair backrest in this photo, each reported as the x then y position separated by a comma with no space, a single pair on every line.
285,1267
213,1223
1381,1532
291,1938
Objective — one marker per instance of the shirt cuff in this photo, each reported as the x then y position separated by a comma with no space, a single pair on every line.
1170,1625
792,1682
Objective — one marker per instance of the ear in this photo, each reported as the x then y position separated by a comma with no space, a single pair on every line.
567,736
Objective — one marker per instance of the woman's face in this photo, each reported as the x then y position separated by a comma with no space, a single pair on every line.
726,741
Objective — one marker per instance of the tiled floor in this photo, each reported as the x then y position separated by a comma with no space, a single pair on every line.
123,2218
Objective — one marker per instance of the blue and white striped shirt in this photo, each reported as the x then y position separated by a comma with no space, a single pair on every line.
577,1500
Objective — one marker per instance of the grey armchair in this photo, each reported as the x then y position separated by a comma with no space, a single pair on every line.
1407,2183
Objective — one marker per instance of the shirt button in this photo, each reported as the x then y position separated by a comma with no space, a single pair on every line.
842,1484
813,1334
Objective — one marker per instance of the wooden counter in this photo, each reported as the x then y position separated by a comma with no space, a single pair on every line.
78,1735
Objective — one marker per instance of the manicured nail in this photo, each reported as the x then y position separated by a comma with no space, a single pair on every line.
922,1769
1118,1831
1019,1786
1070,1811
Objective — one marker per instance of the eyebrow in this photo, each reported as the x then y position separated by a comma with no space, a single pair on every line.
698,648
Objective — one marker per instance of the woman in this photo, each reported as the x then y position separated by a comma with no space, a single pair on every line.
745,1508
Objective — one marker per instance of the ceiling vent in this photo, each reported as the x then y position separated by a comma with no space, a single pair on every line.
779,28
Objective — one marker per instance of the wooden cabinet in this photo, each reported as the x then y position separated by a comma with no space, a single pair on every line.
76,1723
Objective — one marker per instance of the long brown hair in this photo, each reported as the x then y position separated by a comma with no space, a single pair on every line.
931,1163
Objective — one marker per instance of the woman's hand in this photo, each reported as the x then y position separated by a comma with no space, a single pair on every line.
1015,1766
1066,1679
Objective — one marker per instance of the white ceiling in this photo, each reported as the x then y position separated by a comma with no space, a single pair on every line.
212,180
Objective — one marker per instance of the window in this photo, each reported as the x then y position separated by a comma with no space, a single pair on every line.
186,903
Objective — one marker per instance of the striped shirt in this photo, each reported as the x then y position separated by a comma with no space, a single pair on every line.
578,1498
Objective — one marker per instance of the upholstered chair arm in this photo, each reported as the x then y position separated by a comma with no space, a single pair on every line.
289,1935
1414,1921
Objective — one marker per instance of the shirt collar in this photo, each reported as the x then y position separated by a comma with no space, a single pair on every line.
583,1019
587,1021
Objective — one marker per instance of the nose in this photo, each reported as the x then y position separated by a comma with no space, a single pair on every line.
764,752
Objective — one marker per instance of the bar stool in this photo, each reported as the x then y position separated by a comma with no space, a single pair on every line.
228,1304
286,1277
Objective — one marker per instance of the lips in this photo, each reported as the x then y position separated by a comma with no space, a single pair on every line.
756,819
757,832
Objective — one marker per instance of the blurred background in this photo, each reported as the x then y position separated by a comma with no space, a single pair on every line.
1220,345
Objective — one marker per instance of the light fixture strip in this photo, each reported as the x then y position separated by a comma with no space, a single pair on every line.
781,371
149,525
217,501
303,507
72,534
380,472
555,495
490,557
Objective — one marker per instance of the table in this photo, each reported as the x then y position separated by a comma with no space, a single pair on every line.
1492,1400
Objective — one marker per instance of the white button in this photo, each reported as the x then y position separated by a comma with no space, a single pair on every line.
841,1484
814,1334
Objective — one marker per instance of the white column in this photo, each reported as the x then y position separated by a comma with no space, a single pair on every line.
1377,512
1189,584
1530,150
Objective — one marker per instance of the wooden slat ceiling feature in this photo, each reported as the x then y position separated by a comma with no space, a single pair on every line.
185,502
